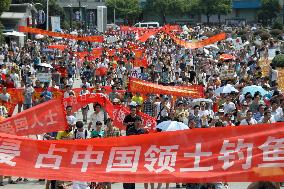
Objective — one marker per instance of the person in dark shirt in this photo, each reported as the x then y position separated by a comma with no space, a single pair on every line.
133,129
130,119
137,128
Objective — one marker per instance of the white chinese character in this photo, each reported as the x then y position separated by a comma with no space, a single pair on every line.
7,127
273,152
196,155
21,124
36,122
73,101
50,155
87,158
9,149
123,159
83,97
120,115
229,151
164,156
49,118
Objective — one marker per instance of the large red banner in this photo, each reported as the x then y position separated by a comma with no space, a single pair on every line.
43,118
136,85
236,154
99,39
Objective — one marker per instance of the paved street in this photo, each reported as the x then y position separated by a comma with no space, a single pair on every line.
40,185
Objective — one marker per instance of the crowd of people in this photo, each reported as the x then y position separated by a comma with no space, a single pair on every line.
226,103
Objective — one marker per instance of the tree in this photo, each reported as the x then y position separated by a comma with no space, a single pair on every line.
165,7
268,11
223,7
128,9
5,4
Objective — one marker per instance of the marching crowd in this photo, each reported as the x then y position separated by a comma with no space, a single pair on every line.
243,96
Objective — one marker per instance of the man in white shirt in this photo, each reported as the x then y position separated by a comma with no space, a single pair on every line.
249,119
71,119
228,106
99,115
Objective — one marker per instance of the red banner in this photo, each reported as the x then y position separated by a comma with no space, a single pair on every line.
116,112
60,47
136,85
43,118
99,39
198,44
230,154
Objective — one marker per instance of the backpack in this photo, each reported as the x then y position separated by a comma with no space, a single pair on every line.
75,134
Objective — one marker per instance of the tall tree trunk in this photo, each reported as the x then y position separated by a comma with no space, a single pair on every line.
208,18
164,17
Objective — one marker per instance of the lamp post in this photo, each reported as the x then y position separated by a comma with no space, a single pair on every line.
47,15
71,15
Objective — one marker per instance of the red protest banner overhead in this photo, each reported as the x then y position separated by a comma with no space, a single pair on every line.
245,154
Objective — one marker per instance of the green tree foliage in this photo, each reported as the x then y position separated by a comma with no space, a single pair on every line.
4,5
268,11
166,7
208,7
128,9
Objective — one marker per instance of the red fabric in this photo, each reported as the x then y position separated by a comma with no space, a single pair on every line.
43,118
192,156
141,62
136,85
227,57
9,106
102,71
60,47
99,39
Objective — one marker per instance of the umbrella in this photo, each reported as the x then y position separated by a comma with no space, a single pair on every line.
226,89
198,100
39,36
15,33
227,57
253,89
172,126
212,46
45,65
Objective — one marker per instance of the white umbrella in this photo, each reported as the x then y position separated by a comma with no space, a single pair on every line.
15,33
171,126
226,89
45,65
39,36
212,46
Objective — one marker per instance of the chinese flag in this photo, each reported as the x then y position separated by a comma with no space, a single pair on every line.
102,71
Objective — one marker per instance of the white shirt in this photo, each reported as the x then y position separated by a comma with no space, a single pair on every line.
164,111
71,120
81,134
274,75
5,97
2,59
251,122
80,185
98,117
228,107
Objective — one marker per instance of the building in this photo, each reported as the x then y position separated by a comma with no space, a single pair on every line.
18,15
81,11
